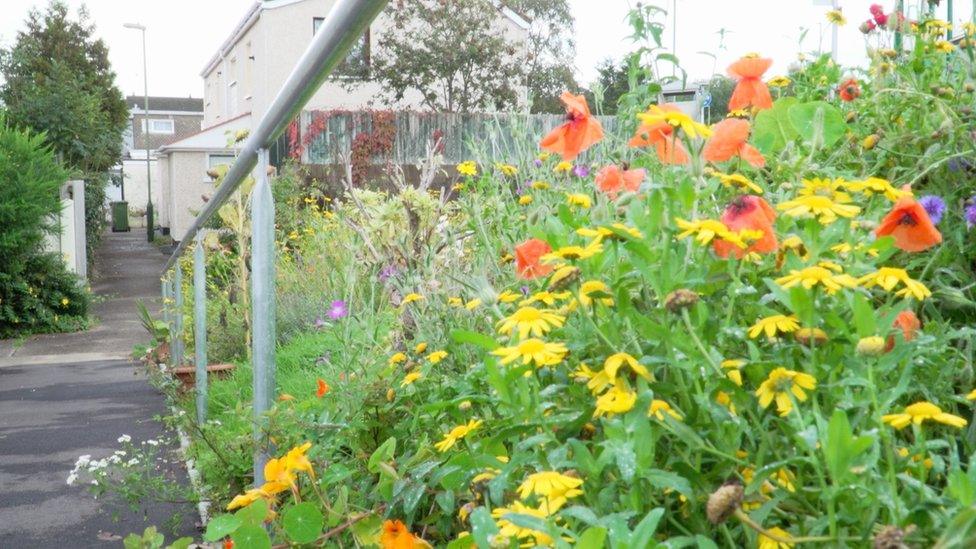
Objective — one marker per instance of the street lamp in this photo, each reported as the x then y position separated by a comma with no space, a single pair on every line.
145,132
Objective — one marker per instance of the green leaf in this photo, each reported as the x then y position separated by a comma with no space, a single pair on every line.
841,447
643,535
864,318
666,479
467,542
474,338
222,526
182,543
382,454
251,536
483,527
303,522
819,123
772,129
592,538
962,488
254,513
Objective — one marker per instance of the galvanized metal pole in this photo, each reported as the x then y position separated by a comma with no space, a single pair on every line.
164,282
262,307
178,315
200,327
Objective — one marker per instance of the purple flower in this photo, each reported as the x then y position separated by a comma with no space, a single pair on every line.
319,323
581,170
525,290
521,188
537,162
934,206
388,272
971,213
338,310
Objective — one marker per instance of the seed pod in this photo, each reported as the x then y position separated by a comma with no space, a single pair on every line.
871,346
851,117
680,299
892,537
969,87
870,141
724,501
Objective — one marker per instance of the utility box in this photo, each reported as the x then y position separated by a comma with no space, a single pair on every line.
120,217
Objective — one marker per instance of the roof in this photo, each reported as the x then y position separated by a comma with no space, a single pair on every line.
254,13
173,104
213,138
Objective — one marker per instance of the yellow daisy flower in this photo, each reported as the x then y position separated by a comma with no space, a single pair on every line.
529,320
533,350
780,384
675,119
619,399
889,277
660,408
822,208
454,435
921,412
814,275
771,325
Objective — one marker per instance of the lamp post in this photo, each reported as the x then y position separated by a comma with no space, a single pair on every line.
145,132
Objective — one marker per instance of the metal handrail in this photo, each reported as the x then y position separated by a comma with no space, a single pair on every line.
345,24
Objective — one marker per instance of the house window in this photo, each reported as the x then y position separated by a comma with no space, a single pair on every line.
356,63
218,159
159,125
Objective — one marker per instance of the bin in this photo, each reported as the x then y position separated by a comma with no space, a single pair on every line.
120,217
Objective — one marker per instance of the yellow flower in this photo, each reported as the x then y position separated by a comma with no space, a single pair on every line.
944,46
544,155
579,199
734,367
509,530
455,301
552,485
836,17
613,363
410,298
618,400
660,408
969,28
597,234
737,180
725,399
738,113
889,277
530,320
771,325
563,276
784,477
508,296
765,542
436,356
873,345
420,348
468,168
454,435
473,304
485,475
397,358
779,82
811,276
823,208
596,382
920,412
247,498
589,291
706,230
632,232
525,200
507,170
971,395
410,378
563,167
540,185
675,119
533,350
573,252
873,185
65,302
780,384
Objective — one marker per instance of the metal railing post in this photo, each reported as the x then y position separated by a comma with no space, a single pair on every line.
178,315
262,306
164,282
200,327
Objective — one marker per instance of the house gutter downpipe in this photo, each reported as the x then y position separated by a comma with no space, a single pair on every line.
344,25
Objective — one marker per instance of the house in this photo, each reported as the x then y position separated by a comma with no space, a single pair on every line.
245,74
168,119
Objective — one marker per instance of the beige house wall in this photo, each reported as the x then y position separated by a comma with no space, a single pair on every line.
186,183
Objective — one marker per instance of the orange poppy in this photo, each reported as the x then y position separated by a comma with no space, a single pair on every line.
579,132
613,180
750,90
911,226
323,388
397,536
729,138
908,323
849,90
527,255
753,213
660,135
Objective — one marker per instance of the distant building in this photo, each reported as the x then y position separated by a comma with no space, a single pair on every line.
169,119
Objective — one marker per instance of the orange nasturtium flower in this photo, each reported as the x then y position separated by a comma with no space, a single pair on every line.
396,535
849,90
750,89
911,226
660,135
578,133
527,259
730,139
613,180
748,212
323,388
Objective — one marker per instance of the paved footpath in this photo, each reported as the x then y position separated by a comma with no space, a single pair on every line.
66,395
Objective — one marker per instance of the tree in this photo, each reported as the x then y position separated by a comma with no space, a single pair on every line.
453,53
550,51
720,87
611,84
57,80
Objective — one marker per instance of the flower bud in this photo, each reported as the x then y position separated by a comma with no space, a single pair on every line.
871,346
724,501
390,394
870,141
680,299
563,277
809,337
465,406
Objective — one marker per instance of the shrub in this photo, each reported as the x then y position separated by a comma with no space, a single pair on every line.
37,293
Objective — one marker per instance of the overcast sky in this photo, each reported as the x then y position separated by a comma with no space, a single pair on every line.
184,34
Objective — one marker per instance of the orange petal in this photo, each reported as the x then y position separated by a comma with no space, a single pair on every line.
910,225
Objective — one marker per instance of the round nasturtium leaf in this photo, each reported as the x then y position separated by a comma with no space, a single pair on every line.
303,523
251,536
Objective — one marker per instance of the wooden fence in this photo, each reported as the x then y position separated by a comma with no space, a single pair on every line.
404,137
